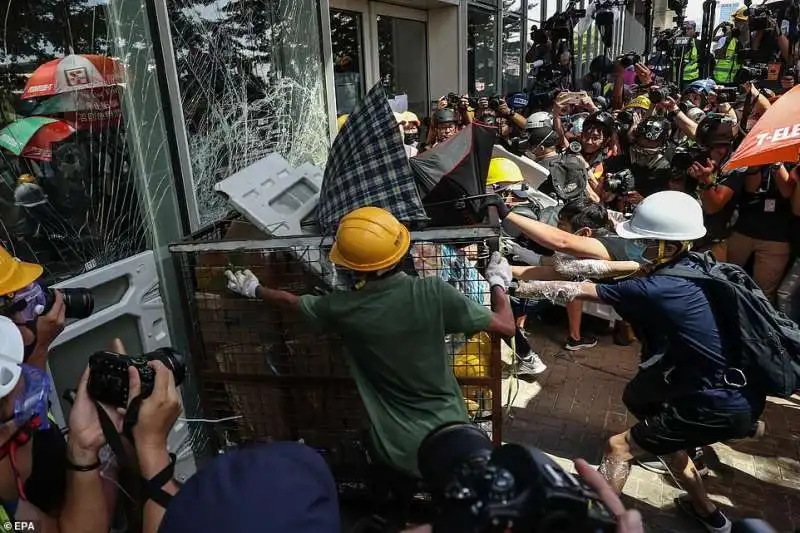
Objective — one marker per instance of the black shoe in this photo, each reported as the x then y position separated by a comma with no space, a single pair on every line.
584,342
716,522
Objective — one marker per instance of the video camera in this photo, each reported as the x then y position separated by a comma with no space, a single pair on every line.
758,18
560,24
513,488
620,183
658,94
108,374
684,157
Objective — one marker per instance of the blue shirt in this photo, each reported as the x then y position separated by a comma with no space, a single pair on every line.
672,316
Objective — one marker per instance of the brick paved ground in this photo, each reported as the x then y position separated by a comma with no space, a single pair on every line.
575,405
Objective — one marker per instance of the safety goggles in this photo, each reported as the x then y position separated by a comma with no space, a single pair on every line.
27,303
32,402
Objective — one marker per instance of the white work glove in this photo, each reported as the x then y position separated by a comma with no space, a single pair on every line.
498,272
243,282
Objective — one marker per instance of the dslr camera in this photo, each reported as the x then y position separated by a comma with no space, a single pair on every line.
453,100
108,374
758,18
620,183
659,94
36,299
629,59
684,157
494,102
513,488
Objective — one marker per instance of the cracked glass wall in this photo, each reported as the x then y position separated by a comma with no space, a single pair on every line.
251,82
79,187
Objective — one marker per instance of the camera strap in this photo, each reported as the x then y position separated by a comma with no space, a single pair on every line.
152,488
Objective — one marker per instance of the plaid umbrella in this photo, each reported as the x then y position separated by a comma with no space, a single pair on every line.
367,166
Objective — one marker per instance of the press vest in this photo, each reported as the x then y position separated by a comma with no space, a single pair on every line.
727,66
691,68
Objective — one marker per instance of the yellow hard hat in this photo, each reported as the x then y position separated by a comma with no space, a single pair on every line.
641,101
340,121
369,239
14,274
26,178
502,170
399,118
740,15
411,117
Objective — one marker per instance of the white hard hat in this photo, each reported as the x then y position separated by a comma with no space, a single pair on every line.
666,216
12,352
540,119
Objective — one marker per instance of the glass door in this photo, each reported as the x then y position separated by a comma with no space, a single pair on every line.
348,59
403,59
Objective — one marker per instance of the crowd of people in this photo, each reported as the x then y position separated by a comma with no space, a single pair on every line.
644,215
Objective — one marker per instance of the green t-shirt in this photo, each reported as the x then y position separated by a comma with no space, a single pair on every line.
394,336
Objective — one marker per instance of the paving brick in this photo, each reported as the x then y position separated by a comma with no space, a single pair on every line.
576,404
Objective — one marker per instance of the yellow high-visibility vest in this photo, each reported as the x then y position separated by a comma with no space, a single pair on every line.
726,68
691,68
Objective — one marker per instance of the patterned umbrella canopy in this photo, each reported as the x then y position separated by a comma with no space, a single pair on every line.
33,136
73,73
367,166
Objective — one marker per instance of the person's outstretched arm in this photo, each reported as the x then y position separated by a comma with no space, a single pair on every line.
245,283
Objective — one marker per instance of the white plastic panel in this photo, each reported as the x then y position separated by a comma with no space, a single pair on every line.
127,306
533,173
272,195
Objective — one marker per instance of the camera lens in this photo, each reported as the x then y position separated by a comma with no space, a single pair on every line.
172,360
79,303
447,447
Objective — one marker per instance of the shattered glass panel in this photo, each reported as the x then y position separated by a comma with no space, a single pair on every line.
251,82
68,196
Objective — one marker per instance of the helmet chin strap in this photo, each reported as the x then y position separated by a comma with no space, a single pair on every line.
662,248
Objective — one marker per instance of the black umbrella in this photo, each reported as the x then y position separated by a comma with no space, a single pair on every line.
451,178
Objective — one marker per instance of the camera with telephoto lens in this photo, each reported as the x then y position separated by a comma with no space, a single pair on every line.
108,374
751,71
684,157
659,94
453,100
513,488
36,300
629,59
621,182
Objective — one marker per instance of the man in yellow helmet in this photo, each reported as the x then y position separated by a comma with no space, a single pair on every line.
393,327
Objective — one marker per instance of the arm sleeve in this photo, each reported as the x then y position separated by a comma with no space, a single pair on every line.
460,314
625,290
316,309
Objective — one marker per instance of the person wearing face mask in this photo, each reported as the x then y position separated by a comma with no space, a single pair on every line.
411,129
645,158
596,141
683,395
717,191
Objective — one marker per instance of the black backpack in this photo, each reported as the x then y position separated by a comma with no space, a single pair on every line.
759,340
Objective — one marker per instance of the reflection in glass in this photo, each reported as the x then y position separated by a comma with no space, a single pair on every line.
481,46
403,60
67,188
515,6
251,82
348,69
512,42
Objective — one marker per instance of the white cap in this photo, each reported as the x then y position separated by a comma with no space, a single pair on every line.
540,119
666,216
12,353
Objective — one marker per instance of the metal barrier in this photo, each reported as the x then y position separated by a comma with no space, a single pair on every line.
288,381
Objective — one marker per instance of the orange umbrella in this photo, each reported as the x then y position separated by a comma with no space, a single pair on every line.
775,138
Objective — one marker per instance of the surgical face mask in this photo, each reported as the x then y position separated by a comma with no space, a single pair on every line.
637,249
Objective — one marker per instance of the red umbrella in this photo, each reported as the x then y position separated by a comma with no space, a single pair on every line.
775,138
73,73
32,137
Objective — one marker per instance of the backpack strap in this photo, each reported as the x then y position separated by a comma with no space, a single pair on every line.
705,261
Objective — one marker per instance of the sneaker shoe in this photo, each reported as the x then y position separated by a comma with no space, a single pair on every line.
530,366
584,342
716,522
